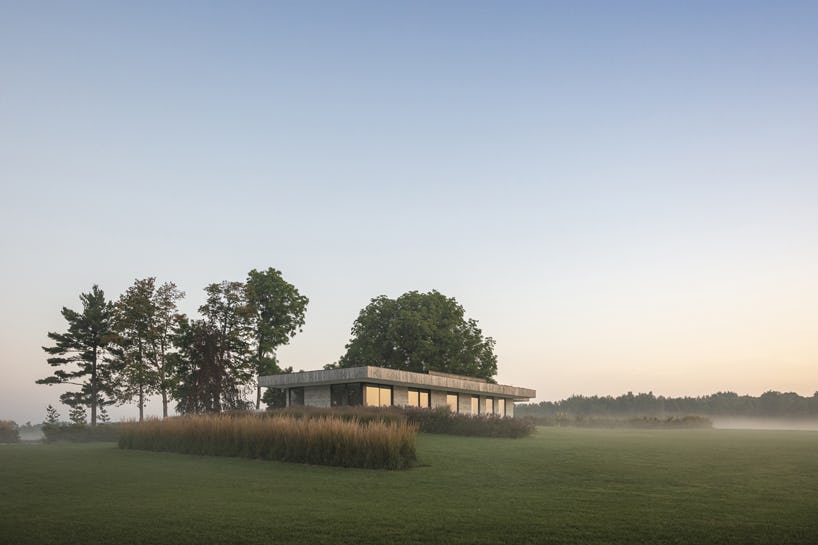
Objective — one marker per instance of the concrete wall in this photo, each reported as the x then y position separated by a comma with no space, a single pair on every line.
464,404
317,396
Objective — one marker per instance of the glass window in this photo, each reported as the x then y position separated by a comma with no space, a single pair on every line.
418,398
296,397
386,396
489,405
475,405
355,394
501,407
372,396
346,395
377,396
451,401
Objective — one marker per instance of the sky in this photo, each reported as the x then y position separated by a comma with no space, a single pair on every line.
623,195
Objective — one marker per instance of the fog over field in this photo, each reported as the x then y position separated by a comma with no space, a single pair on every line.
728,423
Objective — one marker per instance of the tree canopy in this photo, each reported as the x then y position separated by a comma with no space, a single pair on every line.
420,332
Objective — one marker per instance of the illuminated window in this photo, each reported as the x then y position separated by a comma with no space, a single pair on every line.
489,405
475,405
418,398
501,407
377,396
451,401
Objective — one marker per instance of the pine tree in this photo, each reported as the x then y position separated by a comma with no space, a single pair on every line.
78,415
51,415
84,346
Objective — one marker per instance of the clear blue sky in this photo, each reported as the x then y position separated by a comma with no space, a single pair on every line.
624,195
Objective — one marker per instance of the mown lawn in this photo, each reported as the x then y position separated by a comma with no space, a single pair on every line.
558,486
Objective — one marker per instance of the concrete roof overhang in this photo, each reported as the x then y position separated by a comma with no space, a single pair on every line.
393,377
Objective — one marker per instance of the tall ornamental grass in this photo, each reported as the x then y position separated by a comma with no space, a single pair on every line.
438,420
442,420
324,441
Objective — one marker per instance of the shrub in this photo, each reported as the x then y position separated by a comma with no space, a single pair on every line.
442,420
9,432
373,444
81,433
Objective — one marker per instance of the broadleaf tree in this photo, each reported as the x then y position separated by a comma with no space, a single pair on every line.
168,318
419,332
146,316
226,311
275,310
214,361
133,326
80,354
207,381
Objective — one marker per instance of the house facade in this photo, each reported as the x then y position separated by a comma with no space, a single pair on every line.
378,387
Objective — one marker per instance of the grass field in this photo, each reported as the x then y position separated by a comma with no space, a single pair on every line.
558,486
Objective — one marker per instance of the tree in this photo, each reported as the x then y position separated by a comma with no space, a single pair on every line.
420,332
85,346
9,431
134,328
167,319
227,312
51,415
275,310
78,415
145,318
207,381
214,361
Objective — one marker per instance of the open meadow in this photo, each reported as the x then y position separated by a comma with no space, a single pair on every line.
560,485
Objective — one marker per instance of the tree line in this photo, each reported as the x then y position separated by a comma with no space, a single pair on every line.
140,345
768,404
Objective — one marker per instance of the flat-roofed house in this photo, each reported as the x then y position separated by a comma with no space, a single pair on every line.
379,386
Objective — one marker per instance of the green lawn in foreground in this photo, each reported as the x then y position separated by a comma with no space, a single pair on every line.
558,486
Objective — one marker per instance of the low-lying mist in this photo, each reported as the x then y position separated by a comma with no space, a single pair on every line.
740,423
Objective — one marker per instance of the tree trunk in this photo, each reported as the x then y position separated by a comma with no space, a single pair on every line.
162,379
141,403
94,389
259,359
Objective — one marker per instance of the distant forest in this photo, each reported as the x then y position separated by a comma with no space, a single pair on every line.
769,404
